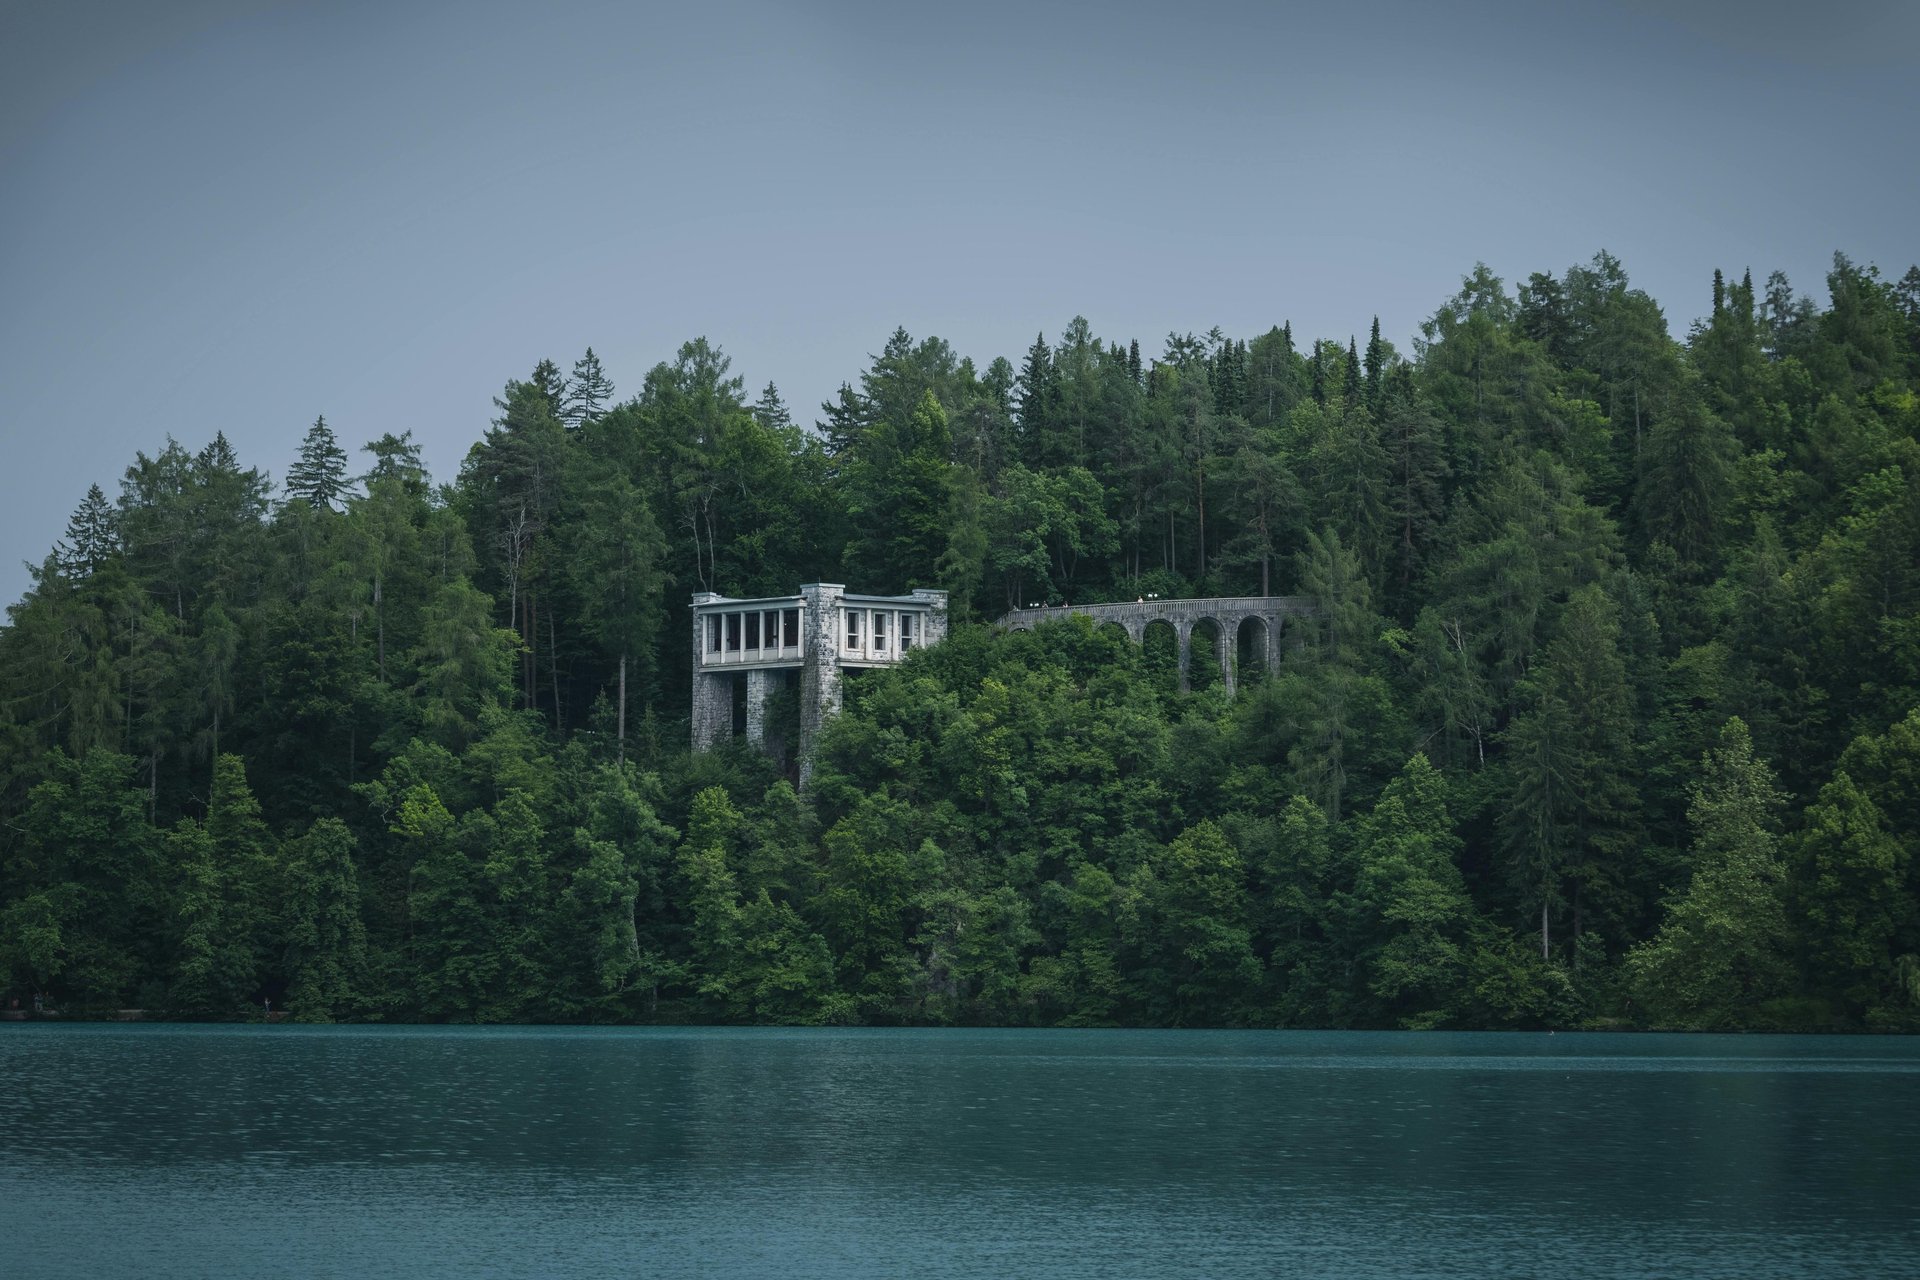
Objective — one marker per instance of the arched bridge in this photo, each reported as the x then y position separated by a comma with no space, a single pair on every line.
1271,615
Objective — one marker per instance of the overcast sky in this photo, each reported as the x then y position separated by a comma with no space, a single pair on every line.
232,215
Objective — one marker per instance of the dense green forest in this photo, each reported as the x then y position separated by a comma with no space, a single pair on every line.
1607,715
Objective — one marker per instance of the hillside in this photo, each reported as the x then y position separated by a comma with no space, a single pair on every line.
1606,714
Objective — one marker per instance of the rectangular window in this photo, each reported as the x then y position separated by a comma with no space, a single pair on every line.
770,629
853,628
791,621
713,633
906,632
733,633
879,631
753,631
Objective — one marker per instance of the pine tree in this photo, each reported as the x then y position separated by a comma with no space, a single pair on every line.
215,971
1907,293
397,458
1572,821
1852,872
1416,453
1133,360
1724,946
319,476
771,411
92,535
1376,361
615,561
843,420
1408,917
326,942
1686,481
587,393
1033,390
550,384
1351,388
1319,374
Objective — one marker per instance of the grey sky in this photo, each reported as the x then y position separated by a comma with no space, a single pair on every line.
234,216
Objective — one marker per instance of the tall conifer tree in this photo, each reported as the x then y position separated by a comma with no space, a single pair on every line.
319,476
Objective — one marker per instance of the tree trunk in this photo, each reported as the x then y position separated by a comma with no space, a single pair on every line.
380,626
1200,527
528,638
553,671
622,715
1577,926
1546,943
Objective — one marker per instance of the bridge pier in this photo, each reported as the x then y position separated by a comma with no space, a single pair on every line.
712,709
761,685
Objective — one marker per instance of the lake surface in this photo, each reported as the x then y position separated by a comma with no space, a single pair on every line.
281,1151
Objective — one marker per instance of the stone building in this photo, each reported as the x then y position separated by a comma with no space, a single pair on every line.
752,652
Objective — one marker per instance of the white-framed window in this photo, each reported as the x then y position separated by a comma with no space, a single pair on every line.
853,628
733,633
879,631
753,630
906,632
770,628
790,625
713,633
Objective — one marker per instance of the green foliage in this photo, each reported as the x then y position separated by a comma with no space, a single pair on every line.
326,940
387,749
1724,947
318,477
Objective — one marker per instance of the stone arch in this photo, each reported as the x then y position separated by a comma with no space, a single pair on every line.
1160,652
1113,629
1209,656
1252,648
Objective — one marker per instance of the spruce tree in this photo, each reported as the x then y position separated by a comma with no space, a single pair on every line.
1351,388
843,419
1036,379
587,394
1133,358
547,381
771,411
1376,360
319,476
92,535
1319,375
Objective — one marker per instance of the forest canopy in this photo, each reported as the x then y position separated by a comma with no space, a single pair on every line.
1608,713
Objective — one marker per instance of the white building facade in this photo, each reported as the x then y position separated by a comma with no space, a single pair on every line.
810,638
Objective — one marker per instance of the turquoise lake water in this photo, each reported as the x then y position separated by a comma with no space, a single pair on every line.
281,1151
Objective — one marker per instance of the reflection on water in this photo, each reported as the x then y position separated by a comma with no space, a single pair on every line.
153,1150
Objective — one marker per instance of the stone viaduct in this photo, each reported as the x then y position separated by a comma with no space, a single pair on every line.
1270,617
761,647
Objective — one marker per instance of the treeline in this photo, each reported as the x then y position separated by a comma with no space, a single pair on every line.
1607,715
